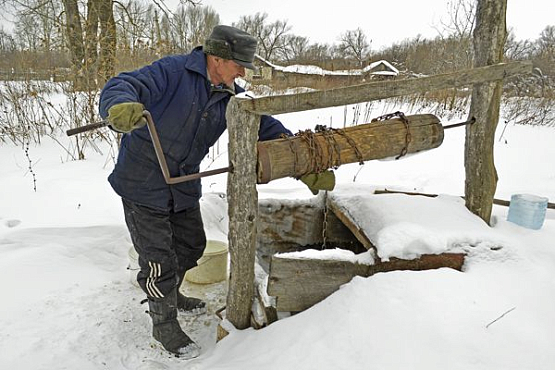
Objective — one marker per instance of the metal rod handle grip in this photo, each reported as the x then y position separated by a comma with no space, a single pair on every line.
92,126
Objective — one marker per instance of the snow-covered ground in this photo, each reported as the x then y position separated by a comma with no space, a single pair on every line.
68,301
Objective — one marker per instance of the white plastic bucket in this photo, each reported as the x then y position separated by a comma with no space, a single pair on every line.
527,210
133,266
212,266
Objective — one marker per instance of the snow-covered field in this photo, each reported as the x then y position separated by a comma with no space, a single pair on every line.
68,303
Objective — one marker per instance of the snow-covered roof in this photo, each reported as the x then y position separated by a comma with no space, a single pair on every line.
392,70
315,70
265,61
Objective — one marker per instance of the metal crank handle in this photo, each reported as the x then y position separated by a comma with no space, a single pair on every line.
162,159
92,126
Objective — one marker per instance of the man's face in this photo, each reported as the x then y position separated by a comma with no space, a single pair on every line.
227,71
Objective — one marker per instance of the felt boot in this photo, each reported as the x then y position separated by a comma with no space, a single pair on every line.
188,305
166,328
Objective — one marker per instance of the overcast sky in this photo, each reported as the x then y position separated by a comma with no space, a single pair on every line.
384,22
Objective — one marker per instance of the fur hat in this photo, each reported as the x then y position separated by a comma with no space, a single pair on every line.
231,43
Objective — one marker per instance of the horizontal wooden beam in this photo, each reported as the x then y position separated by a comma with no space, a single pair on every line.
299,155
299,283
382,89
500,202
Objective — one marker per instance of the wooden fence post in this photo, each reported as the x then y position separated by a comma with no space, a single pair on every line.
242,200
481,177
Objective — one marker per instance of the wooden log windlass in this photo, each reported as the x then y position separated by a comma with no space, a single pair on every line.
315,152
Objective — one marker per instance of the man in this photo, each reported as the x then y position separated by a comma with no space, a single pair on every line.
187,96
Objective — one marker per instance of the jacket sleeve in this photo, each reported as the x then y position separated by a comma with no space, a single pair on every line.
144,85
271,128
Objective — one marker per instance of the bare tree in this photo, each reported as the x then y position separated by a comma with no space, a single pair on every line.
192,25
545,58
25,31
462,17
518,50
271,36
457,33
74,31
294,48
318,52
354,44
7,42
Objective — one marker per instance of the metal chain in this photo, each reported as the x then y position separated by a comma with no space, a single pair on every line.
327,134
325,221
316,151
352,144
295,156
404,119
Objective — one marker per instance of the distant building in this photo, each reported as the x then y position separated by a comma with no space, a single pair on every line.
316,77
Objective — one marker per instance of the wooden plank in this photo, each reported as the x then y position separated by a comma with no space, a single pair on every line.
298,283
299,155
382,89
242,200
298,222
286,221
349,221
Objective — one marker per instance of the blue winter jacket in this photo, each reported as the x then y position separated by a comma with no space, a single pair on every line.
189,118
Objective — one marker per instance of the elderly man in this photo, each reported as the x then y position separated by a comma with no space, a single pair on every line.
187,96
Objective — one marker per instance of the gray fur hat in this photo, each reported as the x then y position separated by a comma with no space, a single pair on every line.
231,43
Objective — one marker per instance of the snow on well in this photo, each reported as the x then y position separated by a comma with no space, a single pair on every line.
406,226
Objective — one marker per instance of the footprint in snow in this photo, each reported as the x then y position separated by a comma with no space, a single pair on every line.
12,223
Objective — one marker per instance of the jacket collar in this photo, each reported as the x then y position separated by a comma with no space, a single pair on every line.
197,62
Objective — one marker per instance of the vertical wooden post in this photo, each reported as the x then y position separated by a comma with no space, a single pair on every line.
243,211
481,177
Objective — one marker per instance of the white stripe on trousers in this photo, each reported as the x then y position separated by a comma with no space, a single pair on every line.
155,273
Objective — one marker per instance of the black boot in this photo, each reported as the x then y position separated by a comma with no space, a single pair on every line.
188,305
166,329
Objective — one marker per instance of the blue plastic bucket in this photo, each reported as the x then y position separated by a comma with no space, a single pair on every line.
527,210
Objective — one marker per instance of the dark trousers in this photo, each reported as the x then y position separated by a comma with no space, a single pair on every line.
168,244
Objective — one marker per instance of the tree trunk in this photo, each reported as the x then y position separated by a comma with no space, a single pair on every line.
107,41
74,33
481,177
243,211
91,44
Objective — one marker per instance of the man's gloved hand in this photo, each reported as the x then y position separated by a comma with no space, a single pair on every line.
319,181
126,117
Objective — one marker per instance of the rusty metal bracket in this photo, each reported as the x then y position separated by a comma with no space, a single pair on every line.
469,122
162,159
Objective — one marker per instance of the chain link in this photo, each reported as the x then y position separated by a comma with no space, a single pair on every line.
404,119
325,221
317,162
295,156
352,144
328,135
